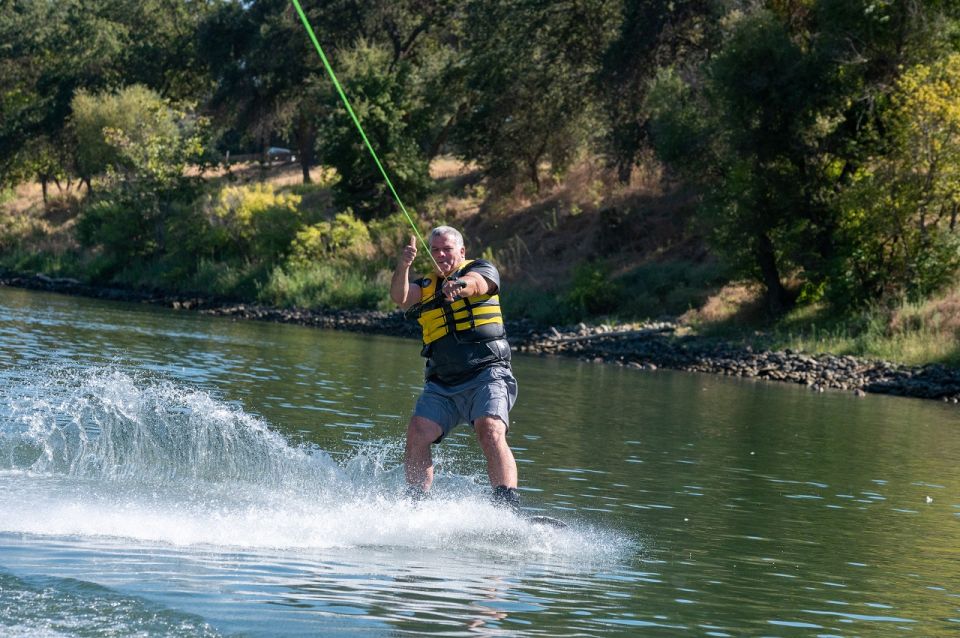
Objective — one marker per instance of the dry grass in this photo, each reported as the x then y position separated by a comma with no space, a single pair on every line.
735,301
940,314
25,198
538,238
26,222
446,167
283,174
913,334
318,174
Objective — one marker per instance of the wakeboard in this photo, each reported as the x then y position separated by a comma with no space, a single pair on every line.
545,520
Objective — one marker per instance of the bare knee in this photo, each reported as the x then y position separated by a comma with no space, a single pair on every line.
491,432
422,432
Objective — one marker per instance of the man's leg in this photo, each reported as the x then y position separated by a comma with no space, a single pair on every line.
417,460
492,436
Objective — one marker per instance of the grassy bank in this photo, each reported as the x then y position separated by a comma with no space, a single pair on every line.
584,248
247,235
912,333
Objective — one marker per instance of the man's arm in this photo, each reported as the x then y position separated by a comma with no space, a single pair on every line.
481,278
473,284
404,293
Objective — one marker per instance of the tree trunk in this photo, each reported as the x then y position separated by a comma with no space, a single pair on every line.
306,138
533,165
776,294
441,139
305,170
43,188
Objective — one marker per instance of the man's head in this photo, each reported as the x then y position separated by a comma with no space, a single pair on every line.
446,246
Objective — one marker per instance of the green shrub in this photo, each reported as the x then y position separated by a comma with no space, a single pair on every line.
53,263
316,199
648,291
389,235
668,288
224,279
139,274
540,306
253,222
592,291
320,285
344,237
119,227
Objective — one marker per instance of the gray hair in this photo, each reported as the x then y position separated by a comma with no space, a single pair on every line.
447,231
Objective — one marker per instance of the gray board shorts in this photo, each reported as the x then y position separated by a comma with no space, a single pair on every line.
491,393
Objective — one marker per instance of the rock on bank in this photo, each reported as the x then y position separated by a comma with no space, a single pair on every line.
656,344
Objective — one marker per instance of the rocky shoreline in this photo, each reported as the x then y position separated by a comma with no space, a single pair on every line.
645,346
656,345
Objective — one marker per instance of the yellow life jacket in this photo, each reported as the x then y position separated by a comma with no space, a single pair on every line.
472,319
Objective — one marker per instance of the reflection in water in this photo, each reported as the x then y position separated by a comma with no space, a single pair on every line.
174,474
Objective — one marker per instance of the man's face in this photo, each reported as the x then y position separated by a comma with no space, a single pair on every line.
446,253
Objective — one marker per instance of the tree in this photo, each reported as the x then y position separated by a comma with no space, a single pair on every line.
50,50
779,122
161,47
393,73
145,146
527,75
245,97
270,79
392,117
653,34
136,113
901,208
756,155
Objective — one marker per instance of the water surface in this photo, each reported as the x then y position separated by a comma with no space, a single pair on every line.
169,474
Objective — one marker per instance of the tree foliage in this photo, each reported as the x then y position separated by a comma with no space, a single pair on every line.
51,50
145,146
253,222
820,135
901,208
343,237
527,73
782,122
653,34
112,129
391,113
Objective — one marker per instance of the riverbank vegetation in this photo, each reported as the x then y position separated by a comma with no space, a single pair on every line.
785,174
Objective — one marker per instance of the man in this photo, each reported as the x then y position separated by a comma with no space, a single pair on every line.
468,375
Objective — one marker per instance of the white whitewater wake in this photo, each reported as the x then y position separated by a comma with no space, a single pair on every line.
101,453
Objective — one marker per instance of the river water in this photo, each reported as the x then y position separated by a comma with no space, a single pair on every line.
170,474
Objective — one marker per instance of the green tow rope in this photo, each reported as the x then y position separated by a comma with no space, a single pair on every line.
356,121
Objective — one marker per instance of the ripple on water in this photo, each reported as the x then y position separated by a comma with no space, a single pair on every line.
47,606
